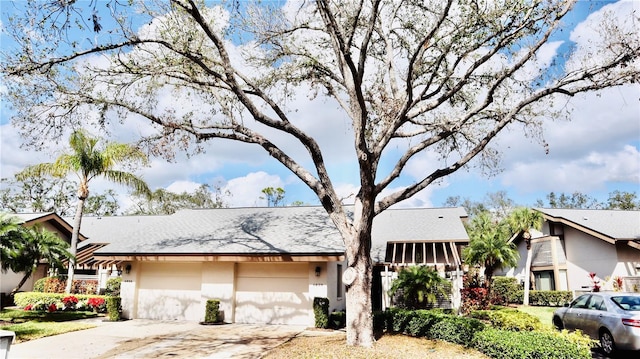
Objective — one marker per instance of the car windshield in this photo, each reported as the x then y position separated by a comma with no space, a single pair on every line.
627,302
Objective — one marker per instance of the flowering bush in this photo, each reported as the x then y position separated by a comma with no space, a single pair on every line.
70,302
52,308
595,282
97,304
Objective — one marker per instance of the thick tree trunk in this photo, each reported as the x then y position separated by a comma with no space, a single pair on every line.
358,294
74,242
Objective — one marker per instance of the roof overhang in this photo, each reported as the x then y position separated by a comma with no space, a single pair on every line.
56,221
198,257
579,227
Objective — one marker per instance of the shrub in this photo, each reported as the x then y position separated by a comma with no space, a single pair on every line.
114,308
70,302
399,320
212,311
497,343
113,287
453,329
556,298
321,312
97,304
505,290
474,298
509,319
38,286
54,285
419,287
337,320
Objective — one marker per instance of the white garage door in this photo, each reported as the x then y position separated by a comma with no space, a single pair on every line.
274,293
170,291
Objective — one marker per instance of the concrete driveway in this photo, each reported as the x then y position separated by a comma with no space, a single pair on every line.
140,338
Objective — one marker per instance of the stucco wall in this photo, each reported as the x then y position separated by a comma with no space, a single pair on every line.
587,254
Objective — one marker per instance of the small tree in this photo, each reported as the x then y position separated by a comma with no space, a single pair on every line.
489,246
419,287
30,246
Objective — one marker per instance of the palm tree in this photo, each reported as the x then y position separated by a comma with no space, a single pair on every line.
35,245
521,221
418,286
88,161
9,237
489,246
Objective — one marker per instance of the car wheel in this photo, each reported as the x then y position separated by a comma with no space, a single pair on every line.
606,342
557,323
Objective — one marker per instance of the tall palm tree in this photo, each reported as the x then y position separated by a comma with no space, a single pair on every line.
521,221
35,245
89,161
489,246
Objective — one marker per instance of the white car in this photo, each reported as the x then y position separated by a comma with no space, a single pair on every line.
613,318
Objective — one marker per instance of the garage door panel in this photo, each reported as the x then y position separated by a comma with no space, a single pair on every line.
280,297
170,291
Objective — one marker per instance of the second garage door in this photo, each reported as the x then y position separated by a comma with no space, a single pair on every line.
274,293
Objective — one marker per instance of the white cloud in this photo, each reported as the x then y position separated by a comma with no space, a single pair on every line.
246,191
586,173
183,186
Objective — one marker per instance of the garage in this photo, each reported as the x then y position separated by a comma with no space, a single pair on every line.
170,291
273,293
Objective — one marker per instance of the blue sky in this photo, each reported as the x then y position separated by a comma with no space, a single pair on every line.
597,152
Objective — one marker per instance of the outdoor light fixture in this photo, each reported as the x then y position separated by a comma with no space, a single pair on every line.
127,269
318,269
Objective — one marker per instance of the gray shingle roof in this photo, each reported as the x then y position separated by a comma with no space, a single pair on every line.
292,230
616,224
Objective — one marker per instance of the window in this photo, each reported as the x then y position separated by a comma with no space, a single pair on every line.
544,280
339,285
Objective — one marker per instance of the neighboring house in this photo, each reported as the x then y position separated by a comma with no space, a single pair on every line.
49,221
264,264
575,242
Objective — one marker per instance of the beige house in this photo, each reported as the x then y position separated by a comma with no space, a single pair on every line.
575,242
265,264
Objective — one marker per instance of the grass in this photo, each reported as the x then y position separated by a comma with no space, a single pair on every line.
545,314
19,315
31,324
34,330
387,347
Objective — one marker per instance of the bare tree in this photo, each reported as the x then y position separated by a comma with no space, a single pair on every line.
414,76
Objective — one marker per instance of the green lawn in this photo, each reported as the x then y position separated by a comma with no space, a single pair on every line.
29,325
545,314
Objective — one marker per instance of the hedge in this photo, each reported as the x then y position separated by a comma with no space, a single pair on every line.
44,300
498,343
508,319
503,342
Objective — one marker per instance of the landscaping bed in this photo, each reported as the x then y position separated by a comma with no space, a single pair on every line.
387,347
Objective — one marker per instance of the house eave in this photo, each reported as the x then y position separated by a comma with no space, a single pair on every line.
237,257
579,227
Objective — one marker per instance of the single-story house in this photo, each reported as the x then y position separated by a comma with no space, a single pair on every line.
264,264
576,242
